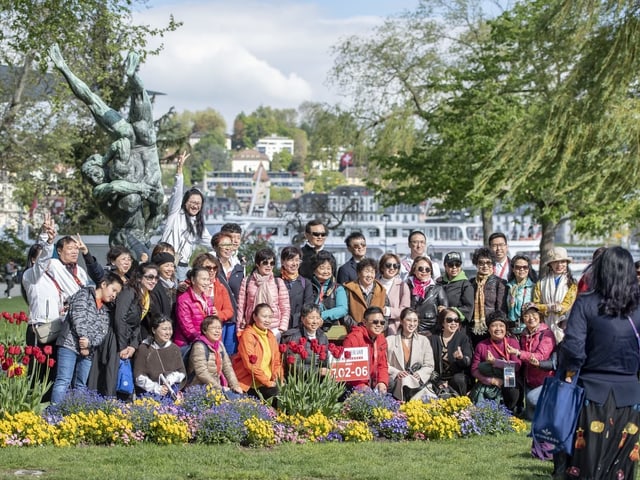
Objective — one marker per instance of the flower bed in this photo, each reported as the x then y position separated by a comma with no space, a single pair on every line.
204,415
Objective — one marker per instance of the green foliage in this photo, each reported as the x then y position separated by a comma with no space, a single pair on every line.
324,181
280,194
12,248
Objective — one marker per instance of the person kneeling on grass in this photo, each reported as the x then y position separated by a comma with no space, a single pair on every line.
370,334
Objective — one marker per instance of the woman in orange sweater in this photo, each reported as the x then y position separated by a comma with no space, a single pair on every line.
258,364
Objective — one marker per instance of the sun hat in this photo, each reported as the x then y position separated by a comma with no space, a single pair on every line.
558,254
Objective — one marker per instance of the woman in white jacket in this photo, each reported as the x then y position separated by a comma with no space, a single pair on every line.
185,227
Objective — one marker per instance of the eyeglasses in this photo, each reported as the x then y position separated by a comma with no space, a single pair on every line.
358,245
423,269
211,268
268,263
393,266
485,263
454,264
452,319
319,234
521,267
377,322
214,328
150,277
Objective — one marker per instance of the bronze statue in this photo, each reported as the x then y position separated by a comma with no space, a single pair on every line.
127,178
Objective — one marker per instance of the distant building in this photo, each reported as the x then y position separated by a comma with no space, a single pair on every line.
248,160
274,144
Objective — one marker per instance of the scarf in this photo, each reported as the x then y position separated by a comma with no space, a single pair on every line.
419,287
519,294
263,294
479,324
387,283
215,348
553,290
289,276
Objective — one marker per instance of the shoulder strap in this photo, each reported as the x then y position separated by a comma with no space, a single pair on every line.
635,330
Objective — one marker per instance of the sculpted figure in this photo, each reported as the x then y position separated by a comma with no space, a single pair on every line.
127,178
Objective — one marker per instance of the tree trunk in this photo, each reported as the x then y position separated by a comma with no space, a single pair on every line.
487,224
546,241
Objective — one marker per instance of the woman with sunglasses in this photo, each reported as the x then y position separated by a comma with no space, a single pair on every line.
452,353
490,293
261,286
185,227
522,281
398,291
427,297
124,336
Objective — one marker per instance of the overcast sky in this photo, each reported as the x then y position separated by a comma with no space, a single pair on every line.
235,55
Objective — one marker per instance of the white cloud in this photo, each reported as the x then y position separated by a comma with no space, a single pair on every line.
235,56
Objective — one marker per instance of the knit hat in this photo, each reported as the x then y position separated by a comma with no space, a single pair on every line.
497,316
162,258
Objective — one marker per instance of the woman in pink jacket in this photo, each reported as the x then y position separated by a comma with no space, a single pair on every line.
262,287
537,344
192,307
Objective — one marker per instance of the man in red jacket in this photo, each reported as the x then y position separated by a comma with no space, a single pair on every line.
370,334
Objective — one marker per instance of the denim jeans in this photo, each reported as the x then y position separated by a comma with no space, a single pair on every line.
73,369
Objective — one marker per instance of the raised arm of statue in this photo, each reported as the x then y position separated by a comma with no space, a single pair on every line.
107,117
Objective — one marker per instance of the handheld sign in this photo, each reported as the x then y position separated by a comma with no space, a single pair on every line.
352,369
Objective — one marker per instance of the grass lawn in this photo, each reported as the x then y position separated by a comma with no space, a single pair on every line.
504,457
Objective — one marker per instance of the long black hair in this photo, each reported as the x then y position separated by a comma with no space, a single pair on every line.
199,219
614,279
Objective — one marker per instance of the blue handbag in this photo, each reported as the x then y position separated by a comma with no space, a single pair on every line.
125,377
557,412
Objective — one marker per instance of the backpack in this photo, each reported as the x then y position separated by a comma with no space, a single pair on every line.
186,355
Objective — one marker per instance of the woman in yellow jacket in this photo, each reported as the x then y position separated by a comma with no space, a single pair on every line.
258,364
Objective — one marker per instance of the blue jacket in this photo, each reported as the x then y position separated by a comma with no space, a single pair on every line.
605,350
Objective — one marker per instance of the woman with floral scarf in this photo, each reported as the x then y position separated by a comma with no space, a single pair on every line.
427,297
522,280
262,287
490,293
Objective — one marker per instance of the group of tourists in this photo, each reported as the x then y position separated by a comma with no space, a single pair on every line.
182,319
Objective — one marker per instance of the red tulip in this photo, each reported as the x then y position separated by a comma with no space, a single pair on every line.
23,317
40,358
28,350
15,350
48,350
5,365
314,341
303,341
292,345
304,354
2,351
26,359
6,315
52,362
8,361
253,359
282,347
322,356
19,371
291,359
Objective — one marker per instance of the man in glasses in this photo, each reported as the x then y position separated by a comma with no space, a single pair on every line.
457,286
498,244
357,245
370,334
417,248
315,232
